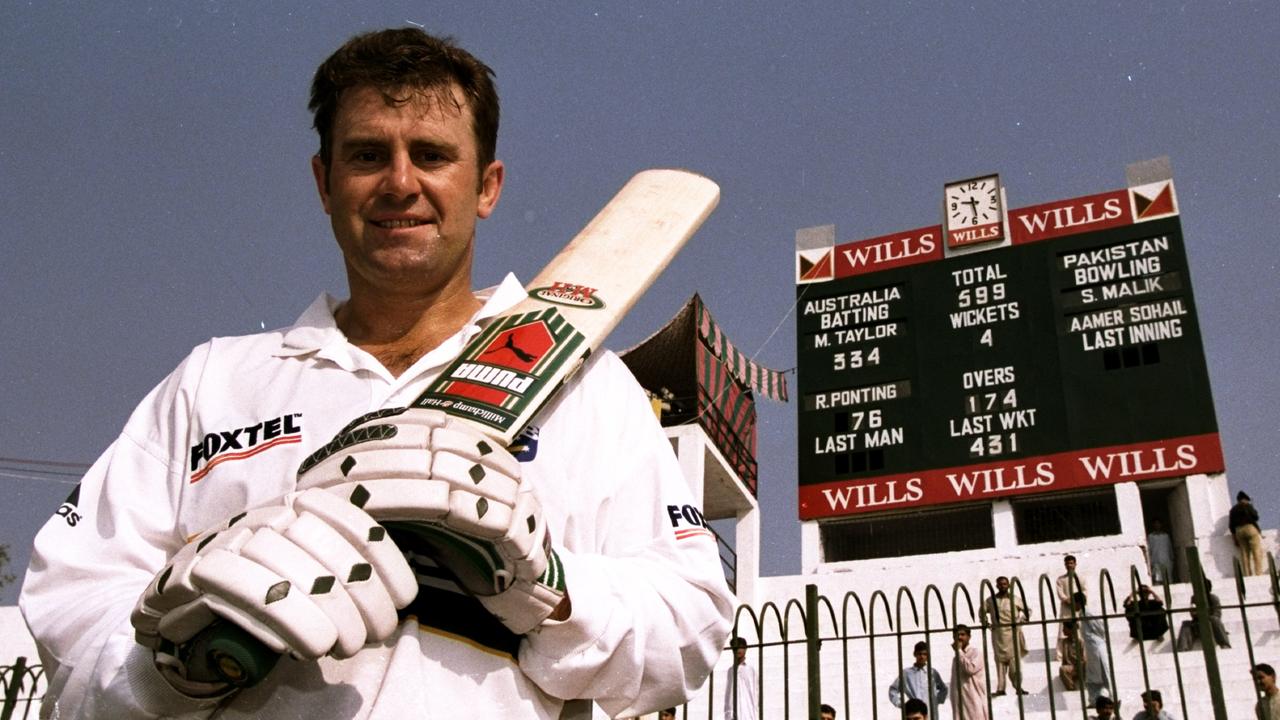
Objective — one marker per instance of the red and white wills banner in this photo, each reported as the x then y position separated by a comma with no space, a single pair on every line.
1030,224
986,481
1068,217
888,251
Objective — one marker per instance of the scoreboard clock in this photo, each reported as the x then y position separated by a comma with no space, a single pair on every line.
1067,357
973,212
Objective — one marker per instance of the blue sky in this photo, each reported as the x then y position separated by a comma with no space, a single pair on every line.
156,188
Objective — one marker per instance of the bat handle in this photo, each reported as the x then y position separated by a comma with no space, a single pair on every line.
225,652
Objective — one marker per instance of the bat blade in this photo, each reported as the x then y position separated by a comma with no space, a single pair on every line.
508,372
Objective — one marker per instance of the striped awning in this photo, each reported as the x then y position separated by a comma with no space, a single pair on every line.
768,382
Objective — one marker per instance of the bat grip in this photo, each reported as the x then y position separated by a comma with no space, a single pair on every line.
226,652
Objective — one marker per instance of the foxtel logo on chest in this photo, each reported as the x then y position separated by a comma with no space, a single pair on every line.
227,445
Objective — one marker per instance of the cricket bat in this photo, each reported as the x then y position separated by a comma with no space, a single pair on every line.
513,368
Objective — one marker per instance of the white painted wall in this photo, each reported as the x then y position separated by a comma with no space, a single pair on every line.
15,641
1207,499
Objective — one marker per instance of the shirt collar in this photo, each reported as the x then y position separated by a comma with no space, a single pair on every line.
316,329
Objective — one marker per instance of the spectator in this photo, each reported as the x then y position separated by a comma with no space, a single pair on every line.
1160,553
1002,612
1264,679
741,699
968,677
1104,708
1097,668
1145,613
667,714
1152,707
1242,522
825,712
921,681
1070,655
915,709
1190,630
1068,584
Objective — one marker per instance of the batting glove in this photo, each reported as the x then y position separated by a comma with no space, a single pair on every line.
450,493
310,576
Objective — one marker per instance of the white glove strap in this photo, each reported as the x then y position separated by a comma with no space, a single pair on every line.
526,604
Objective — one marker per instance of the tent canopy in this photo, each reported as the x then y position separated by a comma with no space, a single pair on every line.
701,377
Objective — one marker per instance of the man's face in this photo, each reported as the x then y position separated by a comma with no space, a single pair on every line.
922,658
403,190
739,654
1070,564
1106,711
1152,705
916,715
1264,682
1002,585
962,638
827,715
664,715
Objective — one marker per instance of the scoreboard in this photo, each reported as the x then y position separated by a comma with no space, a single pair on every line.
1067,356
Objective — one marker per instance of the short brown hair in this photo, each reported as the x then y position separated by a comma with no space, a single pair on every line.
399,62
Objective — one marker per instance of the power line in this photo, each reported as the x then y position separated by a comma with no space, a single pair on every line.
58,473
43,471
37,478
46,463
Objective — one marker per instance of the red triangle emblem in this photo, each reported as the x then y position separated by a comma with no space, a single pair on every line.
815,271
1162,204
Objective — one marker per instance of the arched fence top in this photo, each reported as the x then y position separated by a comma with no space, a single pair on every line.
905,592
1046,588
756,622
884,603
781,620
844,611
1106,591
20,686
917,609
797,606
932,590
825,603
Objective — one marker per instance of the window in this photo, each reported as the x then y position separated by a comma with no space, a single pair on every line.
1065,517
916,533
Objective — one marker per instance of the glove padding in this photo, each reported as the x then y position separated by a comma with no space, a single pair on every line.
310,576
447,492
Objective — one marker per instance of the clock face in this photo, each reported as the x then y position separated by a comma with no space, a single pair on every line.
973,202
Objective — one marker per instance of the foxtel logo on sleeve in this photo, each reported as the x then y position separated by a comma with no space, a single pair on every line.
241,443
687,521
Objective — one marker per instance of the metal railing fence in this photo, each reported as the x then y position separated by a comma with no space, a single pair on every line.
793,640
842,646
23,689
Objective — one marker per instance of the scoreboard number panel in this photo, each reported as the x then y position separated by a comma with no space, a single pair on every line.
986,396
1068,357
1129,333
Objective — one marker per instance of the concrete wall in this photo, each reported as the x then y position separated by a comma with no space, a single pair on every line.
15,641
1202,501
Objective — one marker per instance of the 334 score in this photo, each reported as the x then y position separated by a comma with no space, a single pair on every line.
855,359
